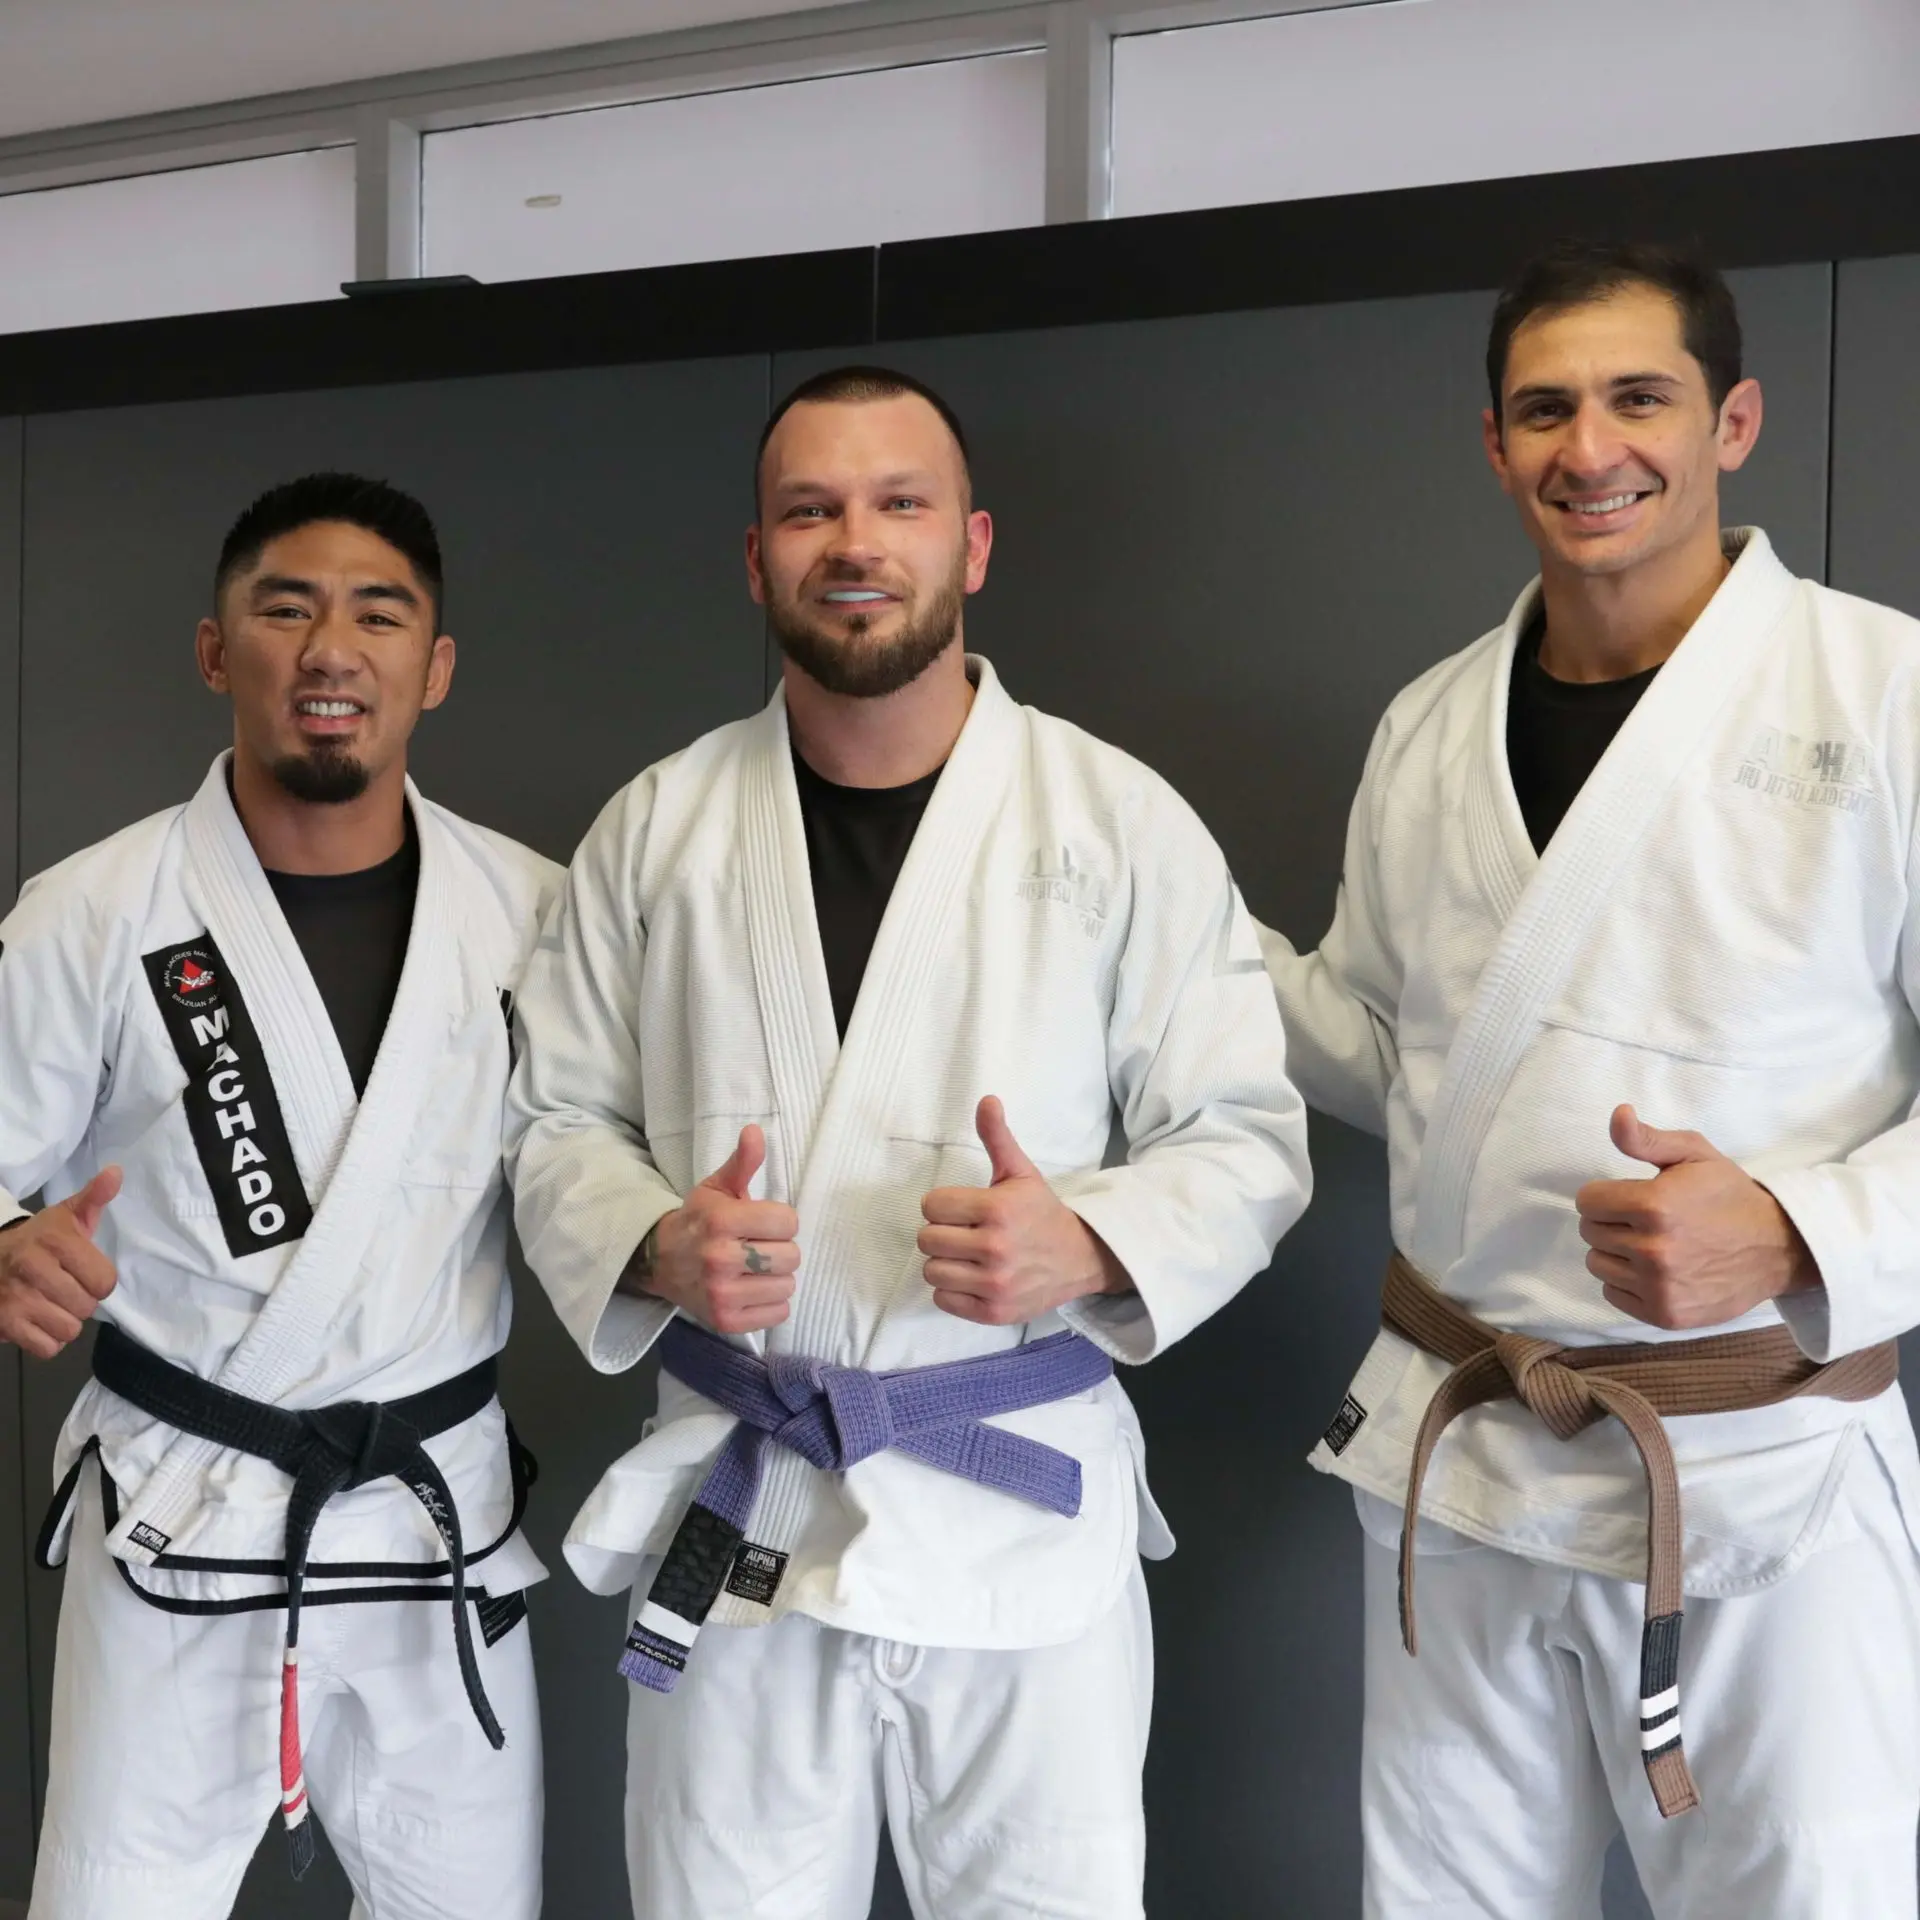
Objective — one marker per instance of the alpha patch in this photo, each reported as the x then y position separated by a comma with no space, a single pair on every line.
1346,1423
151,1538
232,1110
756,1573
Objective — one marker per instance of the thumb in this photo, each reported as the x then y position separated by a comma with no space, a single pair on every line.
93,1199
1658,1146
1003,1150
736,1175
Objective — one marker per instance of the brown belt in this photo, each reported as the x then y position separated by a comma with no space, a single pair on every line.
1572,1387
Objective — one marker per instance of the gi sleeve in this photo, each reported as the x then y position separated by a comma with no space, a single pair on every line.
585,1187
1860,1216
1216,1160
1338,1004
57,1016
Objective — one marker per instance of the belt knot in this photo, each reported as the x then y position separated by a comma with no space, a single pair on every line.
372,1440
1552,1391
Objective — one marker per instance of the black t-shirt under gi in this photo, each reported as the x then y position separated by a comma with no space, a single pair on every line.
1556,732
857,841
352,932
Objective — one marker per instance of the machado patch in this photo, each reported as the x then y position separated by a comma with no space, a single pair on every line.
756,1573
232,1110
1346,1423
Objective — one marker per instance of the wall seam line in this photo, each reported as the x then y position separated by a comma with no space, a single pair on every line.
1831,464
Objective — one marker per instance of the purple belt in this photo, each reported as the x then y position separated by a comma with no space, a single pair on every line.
834,1417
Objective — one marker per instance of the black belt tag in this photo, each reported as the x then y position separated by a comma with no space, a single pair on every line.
499,1614
232,1110
1346,1423
756,1573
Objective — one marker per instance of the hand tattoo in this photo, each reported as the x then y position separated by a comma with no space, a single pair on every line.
757,1262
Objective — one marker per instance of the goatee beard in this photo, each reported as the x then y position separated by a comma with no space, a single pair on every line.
862,672
327,776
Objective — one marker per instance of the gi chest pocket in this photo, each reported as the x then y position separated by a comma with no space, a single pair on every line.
462,1110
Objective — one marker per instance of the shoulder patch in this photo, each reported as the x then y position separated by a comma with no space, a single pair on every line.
232,1110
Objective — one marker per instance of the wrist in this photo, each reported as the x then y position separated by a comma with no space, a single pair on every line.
641,1274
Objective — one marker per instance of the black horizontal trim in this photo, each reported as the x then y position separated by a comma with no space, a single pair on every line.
1852,200
1840,202
437,333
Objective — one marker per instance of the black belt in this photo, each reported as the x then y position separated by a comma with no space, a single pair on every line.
326,1450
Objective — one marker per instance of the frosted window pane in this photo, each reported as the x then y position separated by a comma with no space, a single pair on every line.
255,233
956,147
1416,92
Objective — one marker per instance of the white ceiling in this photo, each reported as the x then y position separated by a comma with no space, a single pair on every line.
67,62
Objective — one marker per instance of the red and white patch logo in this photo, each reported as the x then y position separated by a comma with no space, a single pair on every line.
190,976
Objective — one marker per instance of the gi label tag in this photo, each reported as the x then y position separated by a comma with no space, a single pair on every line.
756,1573
232,1110
1346,1423
151,1538
499,1614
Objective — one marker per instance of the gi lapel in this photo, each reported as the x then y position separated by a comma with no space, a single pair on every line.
346,1156
1602,829
840,1297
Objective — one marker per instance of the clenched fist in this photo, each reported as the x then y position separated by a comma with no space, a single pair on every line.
721,1258
1010,1251
52,1276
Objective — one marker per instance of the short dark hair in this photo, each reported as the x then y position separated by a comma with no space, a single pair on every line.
395,517
1575,273
861,383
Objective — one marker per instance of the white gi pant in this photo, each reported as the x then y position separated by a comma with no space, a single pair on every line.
165,1755
1010,1781
1497,1766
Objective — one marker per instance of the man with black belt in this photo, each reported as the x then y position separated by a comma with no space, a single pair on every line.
254,1051
893,956
1625,966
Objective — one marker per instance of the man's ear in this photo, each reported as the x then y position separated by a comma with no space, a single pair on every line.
439,672
756,577
210,654
1741,413
1494,440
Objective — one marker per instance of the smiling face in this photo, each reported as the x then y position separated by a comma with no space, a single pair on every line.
327,646
866,545
1608,440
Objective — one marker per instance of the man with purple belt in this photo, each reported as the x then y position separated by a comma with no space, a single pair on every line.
889,964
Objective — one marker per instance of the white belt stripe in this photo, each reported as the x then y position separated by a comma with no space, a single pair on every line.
1654,1738
668,1625
1660,1703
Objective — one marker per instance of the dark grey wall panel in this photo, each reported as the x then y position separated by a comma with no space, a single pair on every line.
1224,544
16,1726
1876,431
592,526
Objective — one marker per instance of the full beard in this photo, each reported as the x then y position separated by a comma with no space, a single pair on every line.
326,775
845,662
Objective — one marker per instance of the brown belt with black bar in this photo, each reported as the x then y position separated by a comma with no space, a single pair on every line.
1572,1387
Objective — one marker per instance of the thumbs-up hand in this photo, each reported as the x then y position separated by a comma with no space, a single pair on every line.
723,1259
1012,1250
52,1276
1698,1244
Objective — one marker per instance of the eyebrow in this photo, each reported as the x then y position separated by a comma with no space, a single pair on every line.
269,584
906,476
1546,390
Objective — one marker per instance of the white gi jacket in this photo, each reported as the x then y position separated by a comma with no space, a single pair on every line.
1723,931
273,1233
1065,934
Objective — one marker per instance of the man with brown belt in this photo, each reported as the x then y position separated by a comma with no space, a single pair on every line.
1644,853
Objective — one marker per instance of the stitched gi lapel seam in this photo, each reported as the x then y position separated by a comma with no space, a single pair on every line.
792,1049
1607,821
